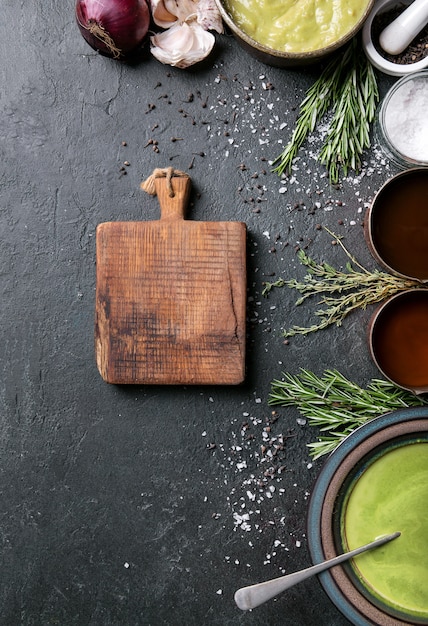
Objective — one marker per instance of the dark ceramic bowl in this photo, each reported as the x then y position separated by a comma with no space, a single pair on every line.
278,58
396,224
325,533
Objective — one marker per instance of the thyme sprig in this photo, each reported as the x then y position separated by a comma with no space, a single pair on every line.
347,88
336,405
341,291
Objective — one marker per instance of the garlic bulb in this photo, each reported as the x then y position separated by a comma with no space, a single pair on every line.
186,39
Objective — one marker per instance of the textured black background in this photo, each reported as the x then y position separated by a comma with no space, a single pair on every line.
121,506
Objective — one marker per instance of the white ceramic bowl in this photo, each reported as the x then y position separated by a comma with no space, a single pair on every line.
382,64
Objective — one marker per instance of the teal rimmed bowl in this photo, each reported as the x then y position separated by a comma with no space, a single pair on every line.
358,592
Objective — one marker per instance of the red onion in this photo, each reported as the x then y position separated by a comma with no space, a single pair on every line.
113,27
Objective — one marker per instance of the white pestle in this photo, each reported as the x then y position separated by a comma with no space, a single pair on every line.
396,36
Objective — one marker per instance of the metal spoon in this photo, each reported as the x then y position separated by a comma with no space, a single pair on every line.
249,597
396,36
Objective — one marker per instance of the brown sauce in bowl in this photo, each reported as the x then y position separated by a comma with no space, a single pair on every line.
399,224
399,339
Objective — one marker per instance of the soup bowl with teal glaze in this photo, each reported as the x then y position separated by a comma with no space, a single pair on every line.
376,483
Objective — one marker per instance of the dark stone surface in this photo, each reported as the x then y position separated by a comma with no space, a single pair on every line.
121,505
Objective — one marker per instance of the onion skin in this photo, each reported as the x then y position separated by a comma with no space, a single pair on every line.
115,28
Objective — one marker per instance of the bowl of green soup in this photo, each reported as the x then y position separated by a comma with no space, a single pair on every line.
376,483
289,33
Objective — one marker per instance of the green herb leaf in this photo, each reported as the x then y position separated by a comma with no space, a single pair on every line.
348,89
341,292
336,405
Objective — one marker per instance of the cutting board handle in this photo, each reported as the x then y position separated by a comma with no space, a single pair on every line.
173,195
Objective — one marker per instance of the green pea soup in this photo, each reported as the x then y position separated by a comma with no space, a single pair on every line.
390,494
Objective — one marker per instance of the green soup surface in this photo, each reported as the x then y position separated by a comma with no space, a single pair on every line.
296,25
390,495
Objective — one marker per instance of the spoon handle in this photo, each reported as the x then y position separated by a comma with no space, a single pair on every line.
249,597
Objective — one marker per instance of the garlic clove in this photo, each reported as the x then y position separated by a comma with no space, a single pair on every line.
182,45
166,12
161,15
183,9
208,16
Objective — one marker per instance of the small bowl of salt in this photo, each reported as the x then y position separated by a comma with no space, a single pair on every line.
402,124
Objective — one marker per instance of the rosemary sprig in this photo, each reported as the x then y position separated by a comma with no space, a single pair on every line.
348,87
348,134
319,98
341,291
337,405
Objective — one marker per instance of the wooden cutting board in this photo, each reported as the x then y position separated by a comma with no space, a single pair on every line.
171,297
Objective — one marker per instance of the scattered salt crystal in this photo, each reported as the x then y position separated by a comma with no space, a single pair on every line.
282,190
298,544
309,465
126,565
219,592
